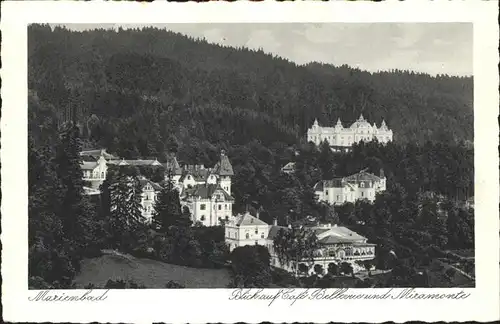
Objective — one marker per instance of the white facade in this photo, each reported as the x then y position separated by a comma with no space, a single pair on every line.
358,186
94,172
337,244
246,230
149,195
207,192
339,136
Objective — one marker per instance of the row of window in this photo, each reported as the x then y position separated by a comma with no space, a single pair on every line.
219,206
247,235
349,139
95,174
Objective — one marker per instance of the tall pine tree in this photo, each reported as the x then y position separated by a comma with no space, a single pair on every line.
167,210
125,208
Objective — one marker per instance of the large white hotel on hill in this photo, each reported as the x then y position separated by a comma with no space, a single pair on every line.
338,136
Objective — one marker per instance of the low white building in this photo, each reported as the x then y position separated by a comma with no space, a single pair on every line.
338,244
246,230
362,185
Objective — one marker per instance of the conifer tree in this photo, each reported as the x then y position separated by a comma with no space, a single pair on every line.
326,161
167,210
75,211
125,208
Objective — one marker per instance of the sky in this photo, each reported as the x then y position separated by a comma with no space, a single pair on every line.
433,48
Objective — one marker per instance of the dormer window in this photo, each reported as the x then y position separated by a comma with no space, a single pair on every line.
362,184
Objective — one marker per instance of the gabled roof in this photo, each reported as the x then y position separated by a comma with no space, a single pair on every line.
362,176
198,173
155,186
205,191
289,166
98,153
248,220
143,162
340,234
224,167
334,183
85,165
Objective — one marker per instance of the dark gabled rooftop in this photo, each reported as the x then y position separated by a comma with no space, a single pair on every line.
155,186
97,153
205,191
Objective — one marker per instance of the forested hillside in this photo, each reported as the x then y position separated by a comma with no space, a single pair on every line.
151,83
149,92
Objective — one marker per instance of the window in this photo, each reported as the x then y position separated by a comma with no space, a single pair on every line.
362,194
203,207
225,206
256,231
220,207
227,218
202,218
189,177
362,184
247,236
102,174
326,192
338,197
262,235
256,242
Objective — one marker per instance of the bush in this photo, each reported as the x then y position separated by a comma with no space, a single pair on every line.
173,285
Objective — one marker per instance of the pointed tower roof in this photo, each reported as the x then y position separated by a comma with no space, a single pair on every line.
224,167
361,117
383,126
316,121
172,164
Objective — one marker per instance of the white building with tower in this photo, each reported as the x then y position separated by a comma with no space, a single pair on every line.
338,136
207,191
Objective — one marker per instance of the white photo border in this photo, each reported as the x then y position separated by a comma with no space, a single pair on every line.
213,305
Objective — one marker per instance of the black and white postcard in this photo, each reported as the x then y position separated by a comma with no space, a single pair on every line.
308,161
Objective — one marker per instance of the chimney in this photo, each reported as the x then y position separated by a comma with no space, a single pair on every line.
382,175
275,221
257,214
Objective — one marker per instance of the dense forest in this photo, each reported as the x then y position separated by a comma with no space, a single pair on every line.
123,80
145,93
